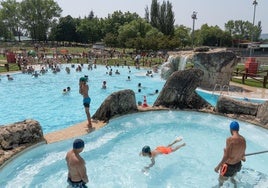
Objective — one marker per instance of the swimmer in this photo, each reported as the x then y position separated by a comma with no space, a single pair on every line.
68,89
117,72
64,91
146,151
77,172
128,78
9,77
234,153
156,92
104,85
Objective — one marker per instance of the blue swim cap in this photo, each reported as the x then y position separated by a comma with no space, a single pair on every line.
78,143
234,126
146,149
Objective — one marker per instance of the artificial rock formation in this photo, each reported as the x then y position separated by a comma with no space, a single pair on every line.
232,106
246,111
118,103
262,114
217,65
17,136
179,91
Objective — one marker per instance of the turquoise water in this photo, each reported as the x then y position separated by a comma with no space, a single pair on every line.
212,98
41,98
112,154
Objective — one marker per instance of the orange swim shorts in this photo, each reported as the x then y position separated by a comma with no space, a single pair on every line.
164,150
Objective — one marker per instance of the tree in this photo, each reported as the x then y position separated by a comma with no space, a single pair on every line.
65,30
89,30
182,33
162,17
212,36
243,30
3,29
38,16
147,14
154,17
11,17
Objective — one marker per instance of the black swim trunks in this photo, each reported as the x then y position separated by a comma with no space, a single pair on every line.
74,184
229,170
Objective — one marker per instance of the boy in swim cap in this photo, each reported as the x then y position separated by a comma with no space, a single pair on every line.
83,90
234,153
146,151
77,173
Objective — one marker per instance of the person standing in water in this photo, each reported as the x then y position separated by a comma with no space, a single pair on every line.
77,173
83,90
146,151
234,153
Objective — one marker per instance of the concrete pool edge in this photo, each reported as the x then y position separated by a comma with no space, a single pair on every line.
20,152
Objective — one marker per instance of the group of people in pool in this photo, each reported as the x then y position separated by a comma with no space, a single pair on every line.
234,153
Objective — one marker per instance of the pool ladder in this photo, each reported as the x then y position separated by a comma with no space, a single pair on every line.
221,89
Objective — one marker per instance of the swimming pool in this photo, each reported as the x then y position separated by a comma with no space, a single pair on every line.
112,154
212,97
41,98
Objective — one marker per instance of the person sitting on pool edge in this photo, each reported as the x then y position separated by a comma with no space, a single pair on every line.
146,151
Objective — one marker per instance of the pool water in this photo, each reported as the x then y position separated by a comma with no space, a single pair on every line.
212,97
112,154
42,98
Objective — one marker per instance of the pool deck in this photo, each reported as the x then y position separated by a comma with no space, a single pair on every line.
250,92
72,132
81,129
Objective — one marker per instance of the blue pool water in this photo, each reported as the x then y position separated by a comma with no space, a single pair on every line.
112,154
41,98
212,97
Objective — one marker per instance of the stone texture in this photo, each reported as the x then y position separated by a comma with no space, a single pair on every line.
14,135
217,66
229,105
179,91
18,136
262,114
118,103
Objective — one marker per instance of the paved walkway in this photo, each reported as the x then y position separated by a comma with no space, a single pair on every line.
250,92
71,132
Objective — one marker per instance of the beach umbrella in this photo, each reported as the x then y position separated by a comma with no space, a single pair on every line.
32,53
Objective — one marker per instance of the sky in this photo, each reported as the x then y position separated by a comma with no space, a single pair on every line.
211,12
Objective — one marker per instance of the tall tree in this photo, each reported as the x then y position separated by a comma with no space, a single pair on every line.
162,17
3,29
154,14
38,16
147,14
11,17
170,19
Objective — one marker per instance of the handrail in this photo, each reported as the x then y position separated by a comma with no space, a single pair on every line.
215,87
227,87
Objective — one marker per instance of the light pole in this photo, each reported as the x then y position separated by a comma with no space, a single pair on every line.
194,18
255,3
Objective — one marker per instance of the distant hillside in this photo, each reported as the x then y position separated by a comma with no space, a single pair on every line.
264,36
